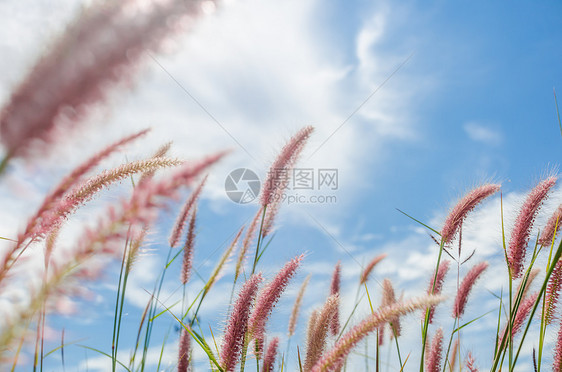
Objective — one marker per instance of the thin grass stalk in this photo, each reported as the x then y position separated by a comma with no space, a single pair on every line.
116,319
426,321
137,342
557,257
152,311
259,239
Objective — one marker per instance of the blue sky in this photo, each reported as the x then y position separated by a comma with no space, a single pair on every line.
472,102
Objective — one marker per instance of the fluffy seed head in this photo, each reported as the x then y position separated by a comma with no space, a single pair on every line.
523,224
552,227
335,291
464,206
296,307
436,284
369,268
238,323
433,361
270,295
331,360
270,354
466,287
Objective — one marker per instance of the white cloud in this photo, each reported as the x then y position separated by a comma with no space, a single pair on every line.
480,132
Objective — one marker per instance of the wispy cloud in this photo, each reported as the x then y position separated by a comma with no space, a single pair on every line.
481,132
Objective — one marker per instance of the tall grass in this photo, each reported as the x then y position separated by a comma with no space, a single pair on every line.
32,120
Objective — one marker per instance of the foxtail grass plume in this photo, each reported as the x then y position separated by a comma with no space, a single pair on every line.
270,354
317,338
297,307
35,227
523,224
436,285
159,153
557,358
552,228
389,299
237,325
553,292
465,288
433,361
101,48
332,359
188,249
470,363
335,291
279,176
184,351
522,313
369,268
269,296
181,221
459,212
532,276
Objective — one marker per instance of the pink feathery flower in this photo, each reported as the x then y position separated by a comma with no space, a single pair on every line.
389,299
470,363
552,227
332,359
297,307
433,361
466,287
184,214
188,249
270,354
557,363
463,207
335,290
522,312
435,286
183,360
523,224
34,228
369,268
269,297
278,175
238,324
140,210
318,333
100,48
553,292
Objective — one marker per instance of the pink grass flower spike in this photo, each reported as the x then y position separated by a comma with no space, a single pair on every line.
459,212
270,354
523,224
552,228
100,48
335,291
269,296
238,324
441,272
433,361
466,287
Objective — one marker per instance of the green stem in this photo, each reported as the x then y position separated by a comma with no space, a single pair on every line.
259,240
426,321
